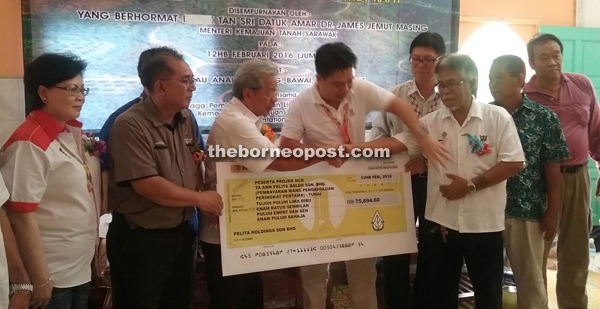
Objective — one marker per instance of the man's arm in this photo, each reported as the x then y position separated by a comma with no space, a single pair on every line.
104,185
553,193
280,164
434,151
497,174
135,165
165,193
380,127
405,112
391,143
292,143
400,142
459,187
593,129
292,164
510,158
554,150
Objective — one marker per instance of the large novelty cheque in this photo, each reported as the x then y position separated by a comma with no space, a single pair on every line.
320,214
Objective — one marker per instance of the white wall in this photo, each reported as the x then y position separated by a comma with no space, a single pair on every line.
487,43
587,13
12,106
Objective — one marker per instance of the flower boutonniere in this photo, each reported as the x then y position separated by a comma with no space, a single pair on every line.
198,154
93,145
268,132
477,146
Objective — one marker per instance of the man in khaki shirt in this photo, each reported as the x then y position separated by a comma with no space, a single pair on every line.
154,186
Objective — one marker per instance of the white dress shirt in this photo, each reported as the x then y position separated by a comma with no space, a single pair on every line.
483,210
234,126
307,121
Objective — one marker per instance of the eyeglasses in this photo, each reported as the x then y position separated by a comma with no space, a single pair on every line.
186,81
425,61
74,90
451,85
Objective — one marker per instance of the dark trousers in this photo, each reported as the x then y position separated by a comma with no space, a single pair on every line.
231,292
70,298
483,254
150,268
397,291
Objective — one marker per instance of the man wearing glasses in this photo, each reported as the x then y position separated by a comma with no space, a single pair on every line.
425,50
146,57
154,186
467,196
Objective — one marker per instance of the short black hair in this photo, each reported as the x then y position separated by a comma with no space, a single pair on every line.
333,57
149,54
158,67
540,39
514,64
431,40
48,70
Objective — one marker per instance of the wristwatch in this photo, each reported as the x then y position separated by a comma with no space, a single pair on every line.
472,187
15,287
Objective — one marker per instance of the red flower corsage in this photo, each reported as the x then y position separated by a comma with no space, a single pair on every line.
93,145
268,132
486,149
198,155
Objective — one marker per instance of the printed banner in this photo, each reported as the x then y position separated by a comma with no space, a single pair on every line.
320,214
215,36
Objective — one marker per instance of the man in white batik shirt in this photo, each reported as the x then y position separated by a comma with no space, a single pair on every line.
420,91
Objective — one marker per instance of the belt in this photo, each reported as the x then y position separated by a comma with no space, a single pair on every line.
571,169
420,175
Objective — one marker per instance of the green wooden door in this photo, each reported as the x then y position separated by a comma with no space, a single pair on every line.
582,55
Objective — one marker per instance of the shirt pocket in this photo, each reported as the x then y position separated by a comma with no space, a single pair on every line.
581,111
482,163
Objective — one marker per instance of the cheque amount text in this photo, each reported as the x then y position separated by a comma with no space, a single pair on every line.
366,200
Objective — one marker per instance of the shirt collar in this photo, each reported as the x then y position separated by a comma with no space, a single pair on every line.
74,123
474,111
156,117
245,111
530,86
52,127
525,103
412,88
